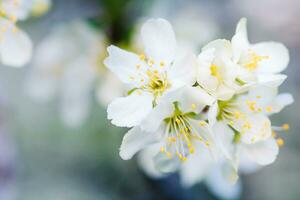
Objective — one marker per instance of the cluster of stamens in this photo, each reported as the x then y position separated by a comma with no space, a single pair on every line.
231,113
181,135
150,78
253,61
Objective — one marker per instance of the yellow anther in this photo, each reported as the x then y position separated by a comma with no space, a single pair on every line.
214,72
138,66
150,63
178,121
142,57
162,149
247,125
149,73
155,72
131,78
258,97
142,80
207,143
285,127
169,155
280,142
269,108
251,105
172,139
237,114
253,139
192,150
252,64
274,134
202,123
15,29
193,106
161,64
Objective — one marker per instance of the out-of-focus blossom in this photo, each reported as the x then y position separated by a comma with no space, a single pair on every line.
150,75
66,64
15,45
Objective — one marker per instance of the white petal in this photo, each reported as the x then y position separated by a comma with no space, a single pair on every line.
213,113
183,72
259,128
196,168
164,164
159,40
15,48
157,115
220,184
131,110
222,48
224,139
146,162
194,99
123,64
281,101
206,57
240,41
135,140
272,80
224,93
278,57
263,153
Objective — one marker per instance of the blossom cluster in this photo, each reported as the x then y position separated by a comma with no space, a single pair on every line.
194,110
15,44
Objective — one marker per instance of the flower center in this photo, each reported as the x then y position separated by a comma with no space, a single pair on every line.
180,135
214,71
253,60
157,83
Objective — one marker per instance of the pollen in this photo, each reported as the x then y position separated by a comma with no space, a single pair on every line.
161,64
202,123
162,149
151,63
138,66
142,57
280,142
193,106
269,108
285,126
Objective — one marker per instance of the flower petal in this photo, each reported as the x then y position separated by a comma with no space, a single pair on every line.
220,184
196,168
131,110
146,162
278,57
123,64
240,41
183,72
281,101
263,153
15,48
257,127
159,40
157,115
272,80
135,140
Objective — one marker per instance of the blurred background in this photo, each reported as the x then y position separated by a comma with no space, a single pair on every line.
56,145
